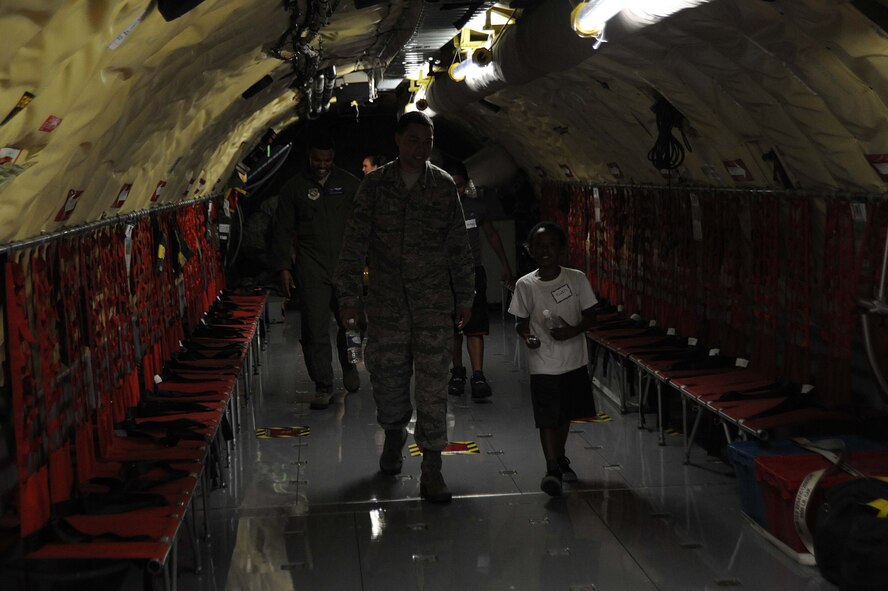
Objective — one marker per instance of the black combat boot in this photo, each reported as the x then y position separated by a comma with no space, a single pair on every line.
431,484
391,460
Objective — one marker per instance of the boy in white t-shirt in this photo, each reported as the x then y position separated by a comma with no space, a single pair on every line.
553,307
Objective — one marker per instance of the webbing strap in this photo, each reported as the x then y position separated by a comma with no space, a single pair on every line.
153,408
577,227
174,431
838,278
62,531
108,503
835,452
117,485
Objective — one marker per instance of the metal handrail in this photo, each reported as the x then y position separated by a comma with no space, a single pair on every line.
857,195
82,228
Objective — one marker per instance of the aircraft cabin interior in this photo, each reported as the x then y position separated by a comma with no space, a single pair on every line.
438,295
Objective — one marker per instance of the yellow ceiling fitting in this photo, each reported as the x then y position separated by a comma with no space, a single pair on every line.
417,85
499,17
470,39
589,18
476,40
492,20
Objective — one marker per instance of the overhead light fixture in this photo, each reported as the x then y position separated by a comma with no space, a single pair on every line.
480,58
458,71
588,19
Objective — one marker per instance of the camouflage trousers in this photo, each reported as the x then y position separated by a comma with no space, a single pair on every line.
398,341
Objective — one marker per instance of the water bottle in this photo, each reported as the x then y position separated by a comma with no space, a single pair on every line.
354,351
471,190
552,320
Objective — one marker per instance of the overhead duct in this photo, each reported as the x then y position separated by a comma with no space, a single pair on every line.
541,42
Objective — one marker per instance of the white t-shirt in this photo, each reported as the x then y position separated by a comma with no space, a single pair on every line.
566,296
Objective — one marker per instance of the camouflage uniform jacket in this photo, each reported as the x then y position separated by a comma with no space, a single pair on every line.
318,215
416,241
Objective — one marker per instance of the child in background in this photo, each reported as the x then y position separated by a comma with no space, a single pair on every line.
553,307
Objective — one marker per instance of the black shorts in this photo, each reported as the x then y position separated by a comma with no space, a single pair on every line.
479,323
559,399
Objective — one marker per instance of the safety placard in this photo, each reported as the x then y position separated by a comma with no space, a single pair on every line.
738,170
282,432
454,448
598,418
9,155
70,203
879,162
50,124
158,190
122,195
189,187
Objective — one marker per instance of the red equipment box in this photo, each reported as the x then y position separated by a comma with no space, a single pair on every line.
781,477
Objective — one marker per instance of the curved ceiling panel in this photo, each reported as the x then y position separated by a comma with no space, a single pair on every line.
161,104
122,97
805,78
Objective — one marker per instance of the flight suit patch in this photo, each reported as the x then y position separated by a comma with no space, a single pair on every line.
314,193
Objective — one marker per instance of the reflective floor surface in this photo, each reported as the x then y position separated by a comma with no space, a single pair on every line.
313,513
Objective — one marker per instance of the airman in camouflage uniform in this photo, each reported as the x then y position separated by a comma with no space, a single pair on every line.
407,218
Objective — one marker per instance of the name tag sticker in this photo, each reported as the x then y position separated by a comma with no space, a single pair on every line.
471,224
562,293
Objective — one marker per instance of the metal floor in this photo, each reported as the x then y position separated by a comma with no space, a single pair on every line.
313,513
